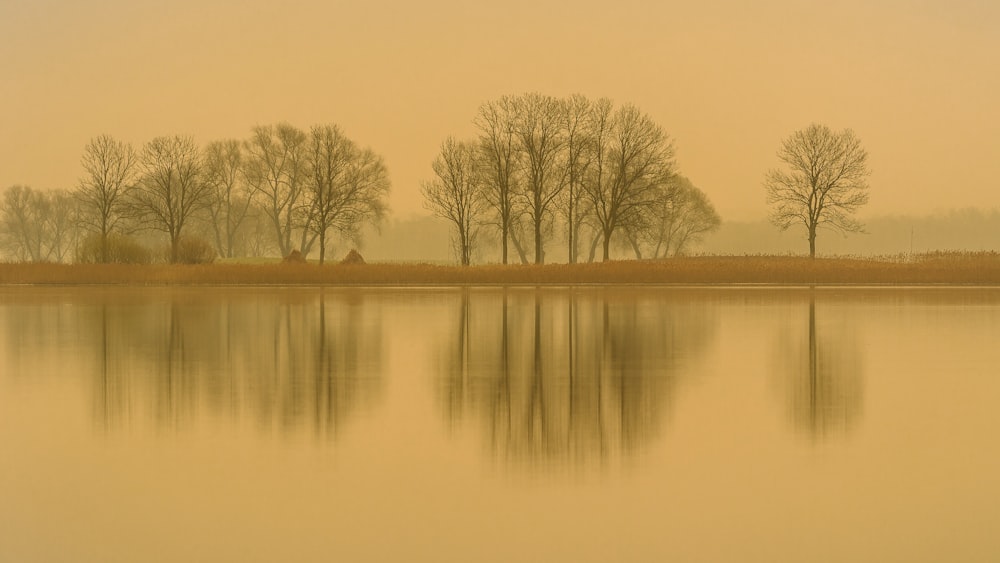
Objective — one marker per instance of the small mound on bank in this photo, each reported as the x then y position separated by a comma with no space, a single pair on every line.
353,257
294,257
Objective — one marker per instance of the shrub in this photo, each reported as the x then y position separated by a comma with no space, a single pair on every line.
120,250
194,250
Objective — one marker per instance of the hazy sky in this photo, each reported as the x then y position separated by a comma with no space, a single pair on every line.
917,80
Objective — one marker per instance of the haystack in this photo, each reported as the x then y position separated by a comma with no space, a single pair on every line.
294,257
353,257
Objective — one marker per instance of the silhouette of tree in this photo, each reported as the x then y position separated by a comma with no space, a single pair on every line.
110,170
681,216
825,184
172,188
577,113
500,160
347,186
631,164
229,201
538,126
276,174
457,193
35,225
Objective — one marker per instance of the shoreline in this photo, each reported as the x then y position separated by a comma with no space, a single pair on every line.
956,270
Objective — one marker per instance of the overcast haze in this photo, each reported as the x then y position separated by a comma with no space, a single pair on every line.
916,80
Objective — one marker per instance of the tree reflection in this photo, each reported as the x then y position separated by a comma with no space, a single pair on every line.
823,380
282,361
558,377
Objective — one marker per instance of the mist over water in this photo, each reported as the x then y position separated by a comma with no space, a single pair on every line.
498,424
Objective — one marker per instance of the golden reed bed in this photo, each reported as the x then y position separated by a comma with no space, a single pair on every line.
937,268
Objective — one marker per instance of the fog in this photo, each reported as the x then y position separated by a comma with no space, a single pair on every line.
428,239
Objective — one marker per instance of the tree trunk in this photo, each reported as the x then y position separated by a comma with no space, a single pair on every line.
174,248
593,248
635,248
812,242
504,235
607,246
539,258
322,250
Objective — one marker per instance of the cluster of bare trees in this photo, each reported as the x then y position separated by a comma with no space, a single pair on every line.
282,189
584,168
37,226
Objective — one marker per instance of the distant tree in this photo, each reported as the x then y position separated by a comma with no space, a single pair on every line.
110,169
632,161
228,199
63,225
22,223
500,155
681,216
276,175
346,186
825,184
538,127
457,193
37,226
171,189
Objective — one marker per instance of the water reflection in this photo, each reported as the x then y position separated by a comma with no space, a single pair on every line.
278,360
572,376
822,376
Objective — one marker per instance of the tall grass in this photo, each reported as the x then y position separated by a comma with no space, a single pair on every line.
934,268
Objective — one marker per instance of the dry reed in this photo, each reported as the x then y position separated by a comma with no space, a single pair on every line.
936,268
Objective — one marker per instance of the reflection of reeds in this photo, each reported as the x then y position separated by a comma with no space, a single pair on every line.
938,267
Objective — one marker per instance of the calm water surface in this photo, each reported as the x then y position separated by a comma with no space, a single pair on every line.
499,425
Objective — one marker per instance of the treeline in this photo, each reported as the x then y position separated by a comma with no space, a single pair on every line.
582,170
281,189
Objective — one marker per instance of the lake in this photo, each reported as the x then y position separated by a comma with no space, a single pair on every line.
491,424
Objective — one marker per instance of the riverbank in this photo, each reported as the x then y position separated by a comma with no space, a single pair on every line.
935,268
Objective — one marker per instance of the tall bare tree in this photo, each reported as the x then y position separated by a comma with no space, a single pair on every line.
538,126
110,169
172,187
632,162
276,175
457,193
347,186
499,153
825,184
228,201
577,111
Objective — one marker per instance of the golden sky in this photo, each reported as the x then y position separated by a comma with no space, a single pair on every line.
917,80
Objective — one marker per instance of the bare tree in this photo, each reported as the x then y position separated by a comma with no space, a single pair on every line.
228,201
110,169
171,189
577,111
681,216
276,176
63,224
499,153
456,193
538,126
347,186
22,222
825,185
35,225
632,161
